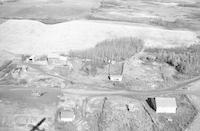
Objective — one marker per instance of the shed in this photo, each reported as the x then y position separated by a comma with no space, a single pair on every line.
66,115
115,77
56,56
163,104
57,59
31,58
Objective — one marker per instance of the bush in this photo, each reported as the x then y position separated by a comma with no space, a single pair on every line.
112,49
185,60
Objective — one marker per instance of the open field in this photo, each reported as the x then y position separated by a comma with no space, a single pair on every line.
20,109
26,36
181,14
47,11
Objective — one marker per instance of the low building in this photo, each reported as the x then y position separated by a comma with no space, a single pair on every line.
163,104
56,56
56,59
66,115
115,77
31,58
39,60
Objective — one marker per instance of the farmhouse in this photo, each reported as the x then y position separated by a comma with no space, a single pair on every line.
163,104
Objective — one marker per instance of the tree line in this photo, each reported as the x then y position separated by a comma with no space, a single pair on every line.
113,49
186,60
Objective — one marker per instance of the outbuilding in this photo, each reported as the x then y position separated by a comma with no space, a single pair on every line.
115,77
163,104
56,59
31,58
66,115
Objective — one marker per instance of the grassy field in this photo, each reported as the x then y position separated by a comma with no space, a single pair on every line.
47,11
168,14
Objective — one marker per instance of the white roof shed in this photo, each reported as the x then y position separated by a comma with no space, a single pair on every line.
115,77
66,115
165,105
56,56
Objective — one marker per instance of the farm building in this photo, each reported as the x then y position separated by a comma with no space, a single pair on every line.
41,60
66,115
57,59
31,58
115,77
56,56
115,72
163,104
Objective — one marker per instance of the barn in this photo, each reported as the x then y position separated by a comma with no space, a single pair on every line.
163,104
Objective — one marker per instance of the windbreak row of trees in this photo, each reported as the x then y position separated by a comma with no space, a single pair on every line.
186,60
114,49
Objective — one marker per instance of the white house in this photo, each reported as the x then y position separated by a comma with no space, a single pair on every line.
165,105
115,77
66,115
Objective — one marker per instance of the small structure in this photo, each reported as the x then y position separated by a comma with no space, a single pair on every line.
115,77
56,59
111,61
41,60
66,115
163,104
115,71
56,56
31,58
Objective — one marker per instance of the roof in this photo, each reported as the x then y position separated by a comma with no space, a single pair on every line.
53,55
57,56
115,77
67,114
165,102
